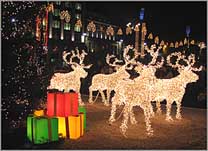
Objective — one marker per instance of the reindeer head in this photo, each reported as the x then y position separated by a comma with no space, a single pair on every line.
185,71
121,69
77,67
151,67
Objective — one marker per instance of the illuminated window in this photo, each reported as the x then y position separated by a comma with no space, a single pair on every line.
58,3
56,12
77,28
56,24
66,26
78,16
78,6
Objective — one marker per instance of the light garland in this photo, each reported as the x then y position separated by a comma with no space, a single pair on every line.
71,81
110,31
91,27
65,15
101,82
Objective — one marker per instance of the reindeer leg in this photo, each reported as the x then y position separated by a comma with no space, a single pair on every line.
168,108
108,97
132,116
113,111
124,124
178,112
147,121
81,103
103,97
90,95
159,111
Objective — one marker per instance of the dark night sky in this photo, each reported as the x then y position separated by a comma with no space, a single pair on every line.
166,19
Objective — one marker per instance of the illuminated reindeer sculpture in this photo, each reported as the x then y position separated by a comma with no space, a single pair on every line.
137,92
101,82
71,80
174,89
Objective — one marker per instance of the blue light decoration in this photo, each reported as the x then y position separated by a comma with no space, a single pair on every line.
141,16
188,30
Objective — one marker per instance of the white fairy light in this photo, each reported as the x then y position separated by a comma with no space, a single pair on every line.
71,80
101,82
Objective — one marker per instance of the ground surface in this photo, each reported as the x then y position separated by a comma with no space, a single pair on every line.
188,133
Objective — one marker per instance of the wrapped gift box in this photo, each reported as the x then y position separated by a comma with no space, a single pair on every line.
42,129
76,126
82,109
62,104
71,127
39,113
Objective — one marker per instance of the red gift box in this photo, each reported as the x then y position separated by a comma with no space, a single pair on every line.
62,104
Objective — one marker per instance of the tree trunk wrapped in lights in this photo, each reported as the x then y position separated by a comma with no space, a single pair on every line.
71,80
41,130
62,104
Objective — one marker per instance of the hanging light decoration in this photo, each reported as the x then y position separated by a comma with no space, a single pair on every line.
79,23
128,30
150,36
162,43
91,27
119,32
185,41
171,45
156,40
110,31
176,44
65,15
181,43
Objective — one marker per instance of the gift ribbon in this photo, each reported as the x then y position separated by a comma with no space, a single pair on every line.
67,127
49,129
55,101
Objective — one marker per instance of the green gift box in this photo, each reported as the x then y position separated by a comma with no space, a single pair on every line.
82,109
42,129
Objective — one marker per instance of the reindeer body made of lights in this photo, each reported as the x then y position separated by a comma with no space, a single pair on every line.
174,89
137,92
71,81
102,82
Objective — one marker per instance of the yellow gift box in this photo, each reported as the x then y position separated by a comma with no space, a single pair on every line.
39,113
71,127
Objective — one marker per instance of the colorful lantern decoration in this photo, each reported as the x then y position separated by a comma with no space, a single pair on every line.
128,30
119,32
71,80
91,27
62,104
110,31
41,130
65,15
102,82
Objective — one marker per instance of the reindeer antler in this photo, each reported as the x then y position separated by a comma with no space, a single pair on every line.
73,55
108,57
190,61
